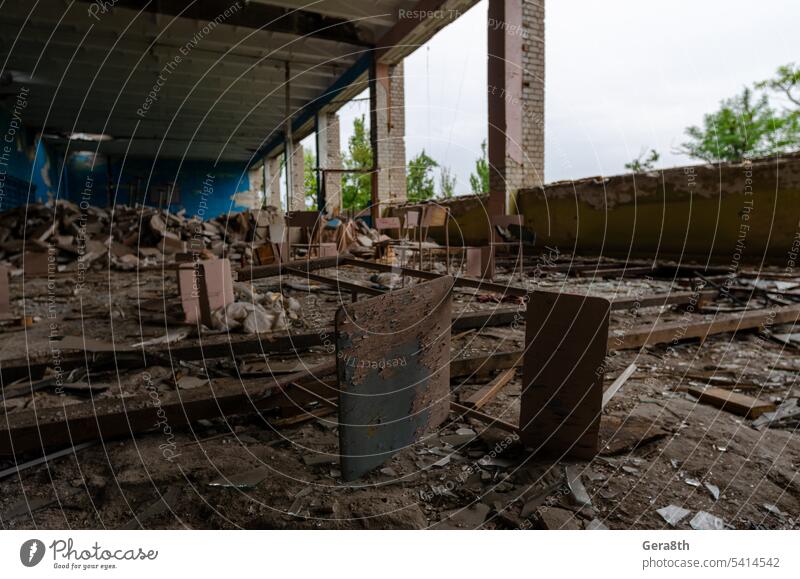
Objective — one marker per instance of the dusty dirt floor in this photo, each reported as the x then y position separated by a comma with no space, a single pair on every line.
660,446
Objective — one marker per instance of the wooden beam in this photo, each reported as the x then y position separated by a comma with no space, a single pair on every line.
482,365
334,282
41,429
483,396
663,333
609,392
38,430
740,404
485,418
304,265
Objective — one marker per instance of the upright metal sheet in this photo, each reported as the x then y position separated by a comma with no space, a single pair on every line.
393,361
563,369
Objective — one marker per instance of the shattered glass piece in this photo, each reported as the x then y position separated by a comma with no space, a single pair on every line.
673,514
704,521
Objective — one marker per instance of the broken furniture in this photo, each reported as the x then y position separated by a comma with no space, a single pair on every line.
309,223
435,216
410,232
204,287
35,263
267,253
382,248
502,223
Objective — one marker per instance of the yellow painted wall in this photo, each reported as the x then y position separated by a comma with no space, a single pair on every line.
723,212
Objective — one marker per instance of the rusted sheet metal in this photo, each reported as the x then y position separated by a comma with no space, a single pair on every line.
393,363
562,398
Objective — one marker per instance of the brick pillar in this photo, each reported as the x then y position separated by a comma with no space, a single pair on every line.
297,197
388,126
255,178
516,100
272,181
329,156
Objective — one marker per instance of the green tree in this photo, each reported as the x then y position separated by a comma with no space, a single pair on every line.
644,162
310,178
786,81
744,126
447,183
479,180
419,177
357,187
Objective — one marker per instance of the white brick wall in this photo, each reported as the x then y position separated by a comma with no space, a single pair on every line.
528,169
333,160
297,199
273,181
391,130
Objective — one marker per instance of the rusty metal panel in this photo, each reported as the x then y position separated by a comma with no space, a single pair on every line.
565,349
393,362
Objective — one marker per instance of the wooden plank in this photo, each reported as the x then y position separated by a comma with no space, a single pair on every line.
740,404
334,282
614,272
662,299
507,315
617,384
96,353
42,429
483,396
485,418
478,284
663,333
481,365
305,265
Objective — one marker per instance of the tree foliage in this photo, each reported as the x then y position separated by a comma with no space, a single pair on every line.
447,183
644,162
787,82
357,187
419,177
479,180
744,126
310,178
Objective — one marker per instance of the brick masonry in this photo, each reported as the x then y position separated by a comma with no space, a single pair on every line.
516,99
272,178
329,155
297,199
389,124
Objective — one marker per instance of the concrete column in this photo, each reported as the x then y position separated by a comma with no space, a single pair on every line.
272,181
256,180
329,156
516,100
297,196
388,125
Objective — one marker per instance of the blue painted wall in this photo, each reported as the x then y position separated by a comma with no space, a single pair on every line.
201,187
27,171
27,163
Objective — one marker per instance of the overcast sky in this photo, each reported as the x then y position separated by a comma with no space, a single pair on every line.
621,75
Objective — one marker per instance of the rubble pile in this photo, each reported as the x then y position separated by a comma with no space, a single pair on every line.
70,236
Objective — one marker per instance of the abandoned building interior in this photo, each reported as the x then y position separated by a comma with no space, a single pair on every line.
185,344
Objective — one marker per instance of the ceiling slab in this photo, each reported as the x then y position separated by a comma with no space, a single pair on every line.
217,68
